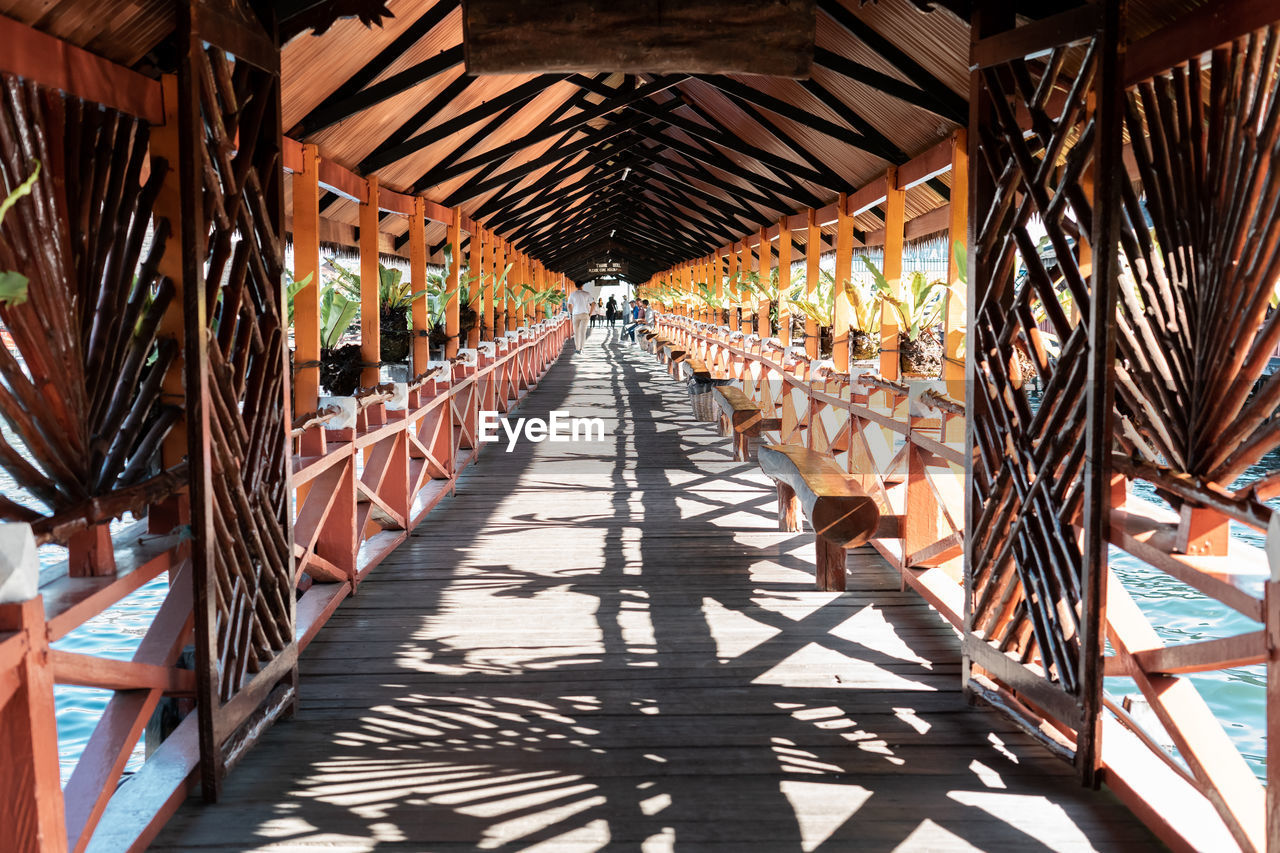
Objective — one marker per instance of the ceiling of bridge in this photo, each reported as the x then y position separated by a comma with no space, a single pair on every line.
653,169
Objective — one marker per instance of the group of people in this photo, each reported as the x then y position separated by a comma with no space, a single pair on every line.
586,313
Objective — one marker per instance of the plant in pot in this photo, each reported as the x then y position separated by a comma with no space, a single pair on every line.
340,364
820,305
919,310
756,292
395,305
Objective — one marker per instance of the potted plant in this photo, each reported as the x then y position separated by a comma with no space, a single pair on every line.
918,309
395,306
340,364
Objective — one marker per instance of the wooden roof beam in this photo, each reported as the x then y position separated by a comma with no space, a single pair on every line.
891,86
954,106
426,22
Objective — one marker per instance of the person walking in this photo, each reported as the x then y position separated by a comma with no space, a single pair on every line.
580,306
611,311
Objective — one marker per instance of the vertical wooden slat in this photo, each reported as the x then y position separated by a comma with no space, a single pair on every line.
418,276
812,272
451,312
475,266
843,314
894,228
957,232
784,280
489,264
1109,172
370,278
499,301
306,262
744,268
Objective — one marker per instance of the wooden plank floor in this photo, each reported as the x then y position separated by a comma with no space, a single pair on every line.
609,645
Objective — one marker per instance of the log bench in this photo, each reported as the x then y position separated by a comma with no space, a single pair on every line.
840,513
693,368
671,354
742,418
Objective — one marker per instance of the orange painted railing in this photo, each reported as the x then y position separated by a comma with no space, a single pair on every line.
361,487
905,445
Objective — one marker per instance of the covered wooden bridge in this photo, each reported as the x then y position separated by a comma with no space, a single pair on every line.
957,309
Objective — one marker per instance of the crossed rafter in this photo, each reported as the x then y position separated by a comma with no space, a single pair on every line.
638,166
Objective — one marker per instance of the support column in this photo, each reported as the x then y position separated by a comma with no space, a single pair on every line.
764,265
306,262
744,269
784,281
843,313
451,313
418,278
894,226
499,308
370,278
812,272
733,289
475,269
488,263
957,298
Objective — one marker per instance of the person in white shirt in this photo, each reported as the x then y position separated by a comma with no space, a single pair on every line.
580,306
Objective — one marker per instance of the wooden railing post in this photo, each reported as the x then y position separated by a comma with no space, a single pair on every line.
957,298
843,313
894,227
451,312
370,278
32,816
418,276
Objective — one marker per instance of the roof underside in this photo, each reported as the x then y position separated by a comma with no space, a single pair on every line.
651,169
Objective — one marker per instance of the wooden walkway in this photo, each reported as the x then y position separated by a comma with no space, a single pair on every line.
609,645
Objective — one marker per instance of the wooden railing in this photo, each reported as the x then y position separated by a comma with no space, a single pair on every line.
361,485
904,442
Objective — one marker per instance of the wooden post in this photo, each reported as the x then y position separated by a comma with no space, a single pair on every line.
517,270
957,298
733,288
306,262
499,313
784,281
744,267
418,277
451,313
844,271
764,265
32,814
475,267
370,279
488,263
812,272
894,225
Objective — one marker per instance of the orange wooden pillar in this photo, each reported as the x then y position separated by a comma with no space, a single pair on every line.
488,265
475,271
784,281
370,278
744,270
418,277
451,313
843,314
734,323
717,283
499,307
812,272
32,813
517,273
957,298
306,262
764,265
894,227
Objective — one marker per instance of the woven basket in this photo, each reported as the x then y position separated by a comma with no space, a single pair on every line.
703,399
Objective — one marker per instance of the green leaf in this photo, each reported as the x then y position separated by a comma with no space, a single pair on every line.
13,289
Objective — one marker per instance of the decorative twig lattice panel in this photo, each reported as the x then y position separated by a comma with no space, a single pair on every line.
1033,585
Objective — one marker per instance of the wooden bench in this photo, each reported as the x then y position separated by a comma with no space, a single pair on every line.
840,513
671,354
742,418
693,368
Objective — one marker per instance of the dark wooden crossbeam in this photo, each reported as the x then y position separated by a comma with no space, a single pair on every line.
402,143
378,92
760,190
829,178
892,86
952,105
503,152
732,209
426,22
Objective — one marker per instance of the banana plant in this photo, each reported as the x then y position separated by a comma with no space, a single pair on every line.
921,305
13,285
